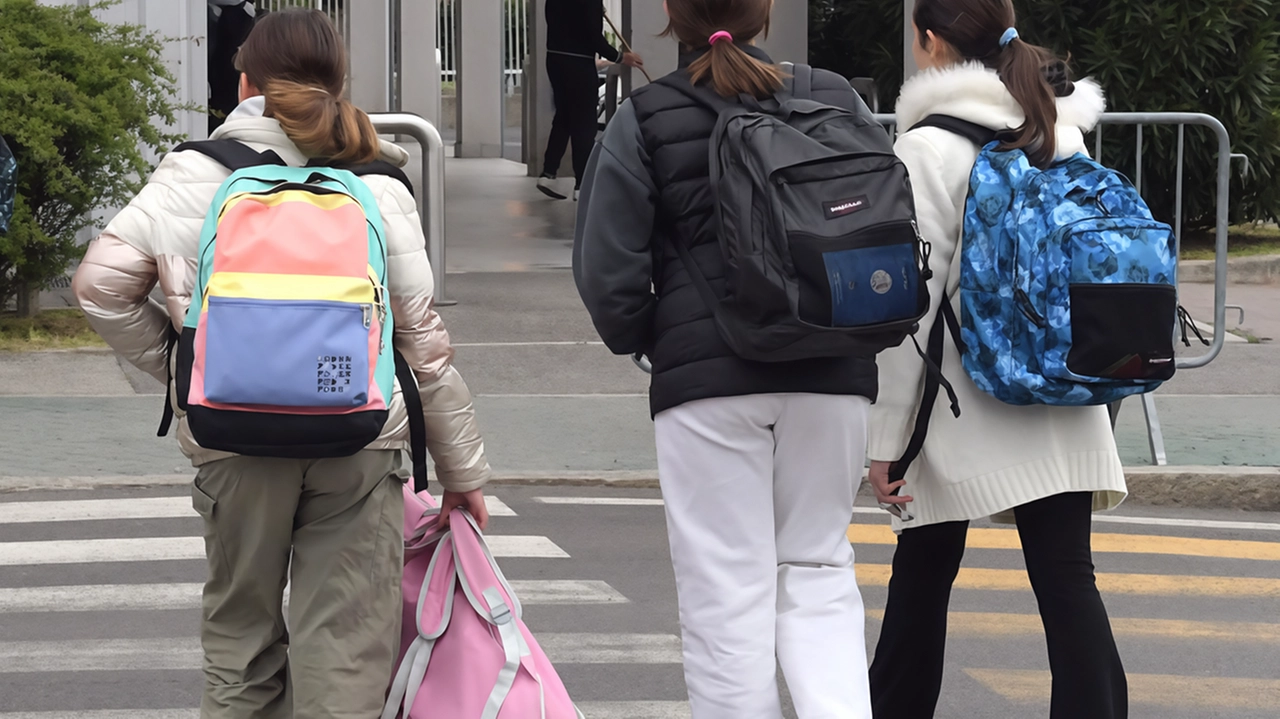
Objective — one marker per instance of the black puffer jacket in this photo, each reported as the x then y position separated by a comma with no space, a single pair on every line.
648,187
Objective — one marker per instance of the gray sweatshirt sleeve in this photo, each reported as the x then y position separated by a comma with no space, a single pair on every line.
612,253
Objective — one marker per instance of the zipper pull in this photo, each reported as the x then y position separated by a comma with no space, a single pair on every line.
1024,304
366,311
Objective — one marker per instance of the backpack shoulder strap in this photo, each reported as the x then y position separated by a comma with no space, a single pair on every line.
377,167
971,131
417,421
231,154
802,81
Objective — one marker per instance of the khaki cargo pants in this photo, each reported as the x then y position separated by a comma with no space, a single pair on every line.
334,529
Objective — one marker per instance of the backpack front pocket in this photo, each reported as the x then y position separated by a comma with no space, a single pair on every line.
866,278
287,353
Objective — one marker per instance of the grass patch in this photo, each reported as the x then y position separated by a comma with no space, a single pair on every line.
50,330
1242,241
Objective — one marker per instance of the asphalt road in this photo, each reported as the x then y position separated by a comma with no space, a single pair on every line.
1193,597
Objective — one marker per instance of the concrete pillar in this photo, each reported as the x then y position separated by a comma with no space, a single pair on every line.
481,106
908,39
420,72
788,39
661,55
370,54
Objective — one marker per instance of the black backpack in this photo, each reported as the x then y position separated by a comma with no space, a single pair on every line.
817,225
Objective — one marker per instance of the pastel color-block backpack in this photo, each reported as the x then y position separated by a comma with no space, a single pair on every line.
465,652
287,346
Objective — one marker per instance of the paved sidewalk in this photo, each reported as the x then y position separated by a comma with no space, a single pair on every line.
551,398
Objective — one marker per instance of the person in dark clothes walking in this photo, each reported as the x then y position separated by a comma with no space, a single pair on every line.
574,38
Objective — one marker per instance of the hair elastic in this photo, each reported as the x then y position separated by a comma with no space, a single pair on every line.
717,37
1009,36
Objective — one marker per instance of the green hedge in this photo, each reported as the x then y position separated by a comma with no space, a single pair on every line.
1220,57
79,102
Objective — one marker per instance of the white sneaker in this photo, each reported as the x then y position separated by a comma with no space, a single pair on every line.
547,186
575,195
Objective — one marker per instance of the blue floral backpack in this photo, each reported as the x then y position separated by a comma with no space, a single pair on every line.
1068,292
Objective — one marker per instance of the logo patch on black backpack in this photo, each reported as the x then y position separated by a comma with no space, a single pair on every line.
844,208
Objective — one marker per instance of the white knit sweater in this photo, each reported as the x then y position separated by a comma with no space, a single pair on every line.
995,456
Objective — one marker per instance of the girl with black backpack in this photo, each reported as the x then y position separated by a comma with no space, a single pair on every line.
758,461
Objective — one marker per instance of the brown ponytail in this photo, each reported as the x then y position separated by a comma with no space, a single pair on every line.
731,70
299,62
1034,75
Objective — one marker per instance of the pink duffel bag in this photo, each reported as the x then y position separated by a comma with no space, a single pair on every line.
465,652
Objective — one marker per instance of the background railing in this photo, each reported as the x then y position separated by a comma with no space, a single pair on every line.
430,196
337,9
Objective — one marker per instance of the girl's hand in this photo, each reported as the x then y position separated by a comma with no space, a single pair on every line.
884,489
472,501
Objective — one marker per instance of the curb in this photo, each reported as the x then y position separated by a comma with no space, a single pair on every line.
1258,270
1241,488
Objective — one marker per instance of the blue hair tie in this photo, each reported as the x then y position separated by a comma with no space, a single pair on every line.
1009,36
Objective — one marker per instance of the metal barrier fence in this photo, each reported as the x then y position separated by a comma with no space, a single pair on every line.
1181,120
337,9
515,41
430,197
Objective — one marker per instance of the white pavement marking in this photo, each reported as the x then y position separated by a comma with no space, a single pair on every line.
74,511
100,655
602,501
1188,523
570,343
158,597
109,714
875,511
566,591
95,598
155,549
612,648
614,710
592,710
133,508
186,654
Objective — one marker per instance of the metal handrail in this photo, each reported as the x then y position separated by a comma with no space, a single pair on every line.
431,198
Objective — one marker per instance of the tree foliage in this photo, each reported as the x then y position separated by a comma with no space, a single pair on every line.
80,103
1220,57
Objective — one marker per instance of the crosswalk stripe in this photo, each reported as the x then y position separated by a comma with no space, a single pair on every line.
155,597
1161,585
592,710
995,624
580,648
1188,523
154,549
134,508
185,653
1102,543
1022,686
627,710
877,512
108,714
601,501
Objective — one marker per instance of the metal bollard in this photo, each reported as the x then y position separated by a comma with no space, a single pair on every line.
431,198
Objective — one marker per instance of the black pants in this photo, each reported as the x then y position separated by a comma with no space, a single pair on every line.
575,85
1088,678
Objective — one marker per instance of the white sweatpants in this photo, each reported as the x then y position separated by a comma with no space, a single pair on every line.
759,494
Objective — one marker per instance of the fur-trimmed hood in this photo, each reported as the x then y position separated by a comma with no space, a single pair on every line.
975,93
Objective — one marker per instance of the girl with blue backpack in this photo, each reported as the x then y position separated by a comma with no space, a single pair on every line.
316,281
1047,468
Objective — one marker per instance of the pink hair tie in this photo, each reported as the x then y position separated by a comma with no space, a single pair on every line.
717,37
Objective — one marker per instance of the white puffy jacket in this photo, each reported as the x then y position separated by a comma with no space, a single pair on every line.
995,456
155,239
